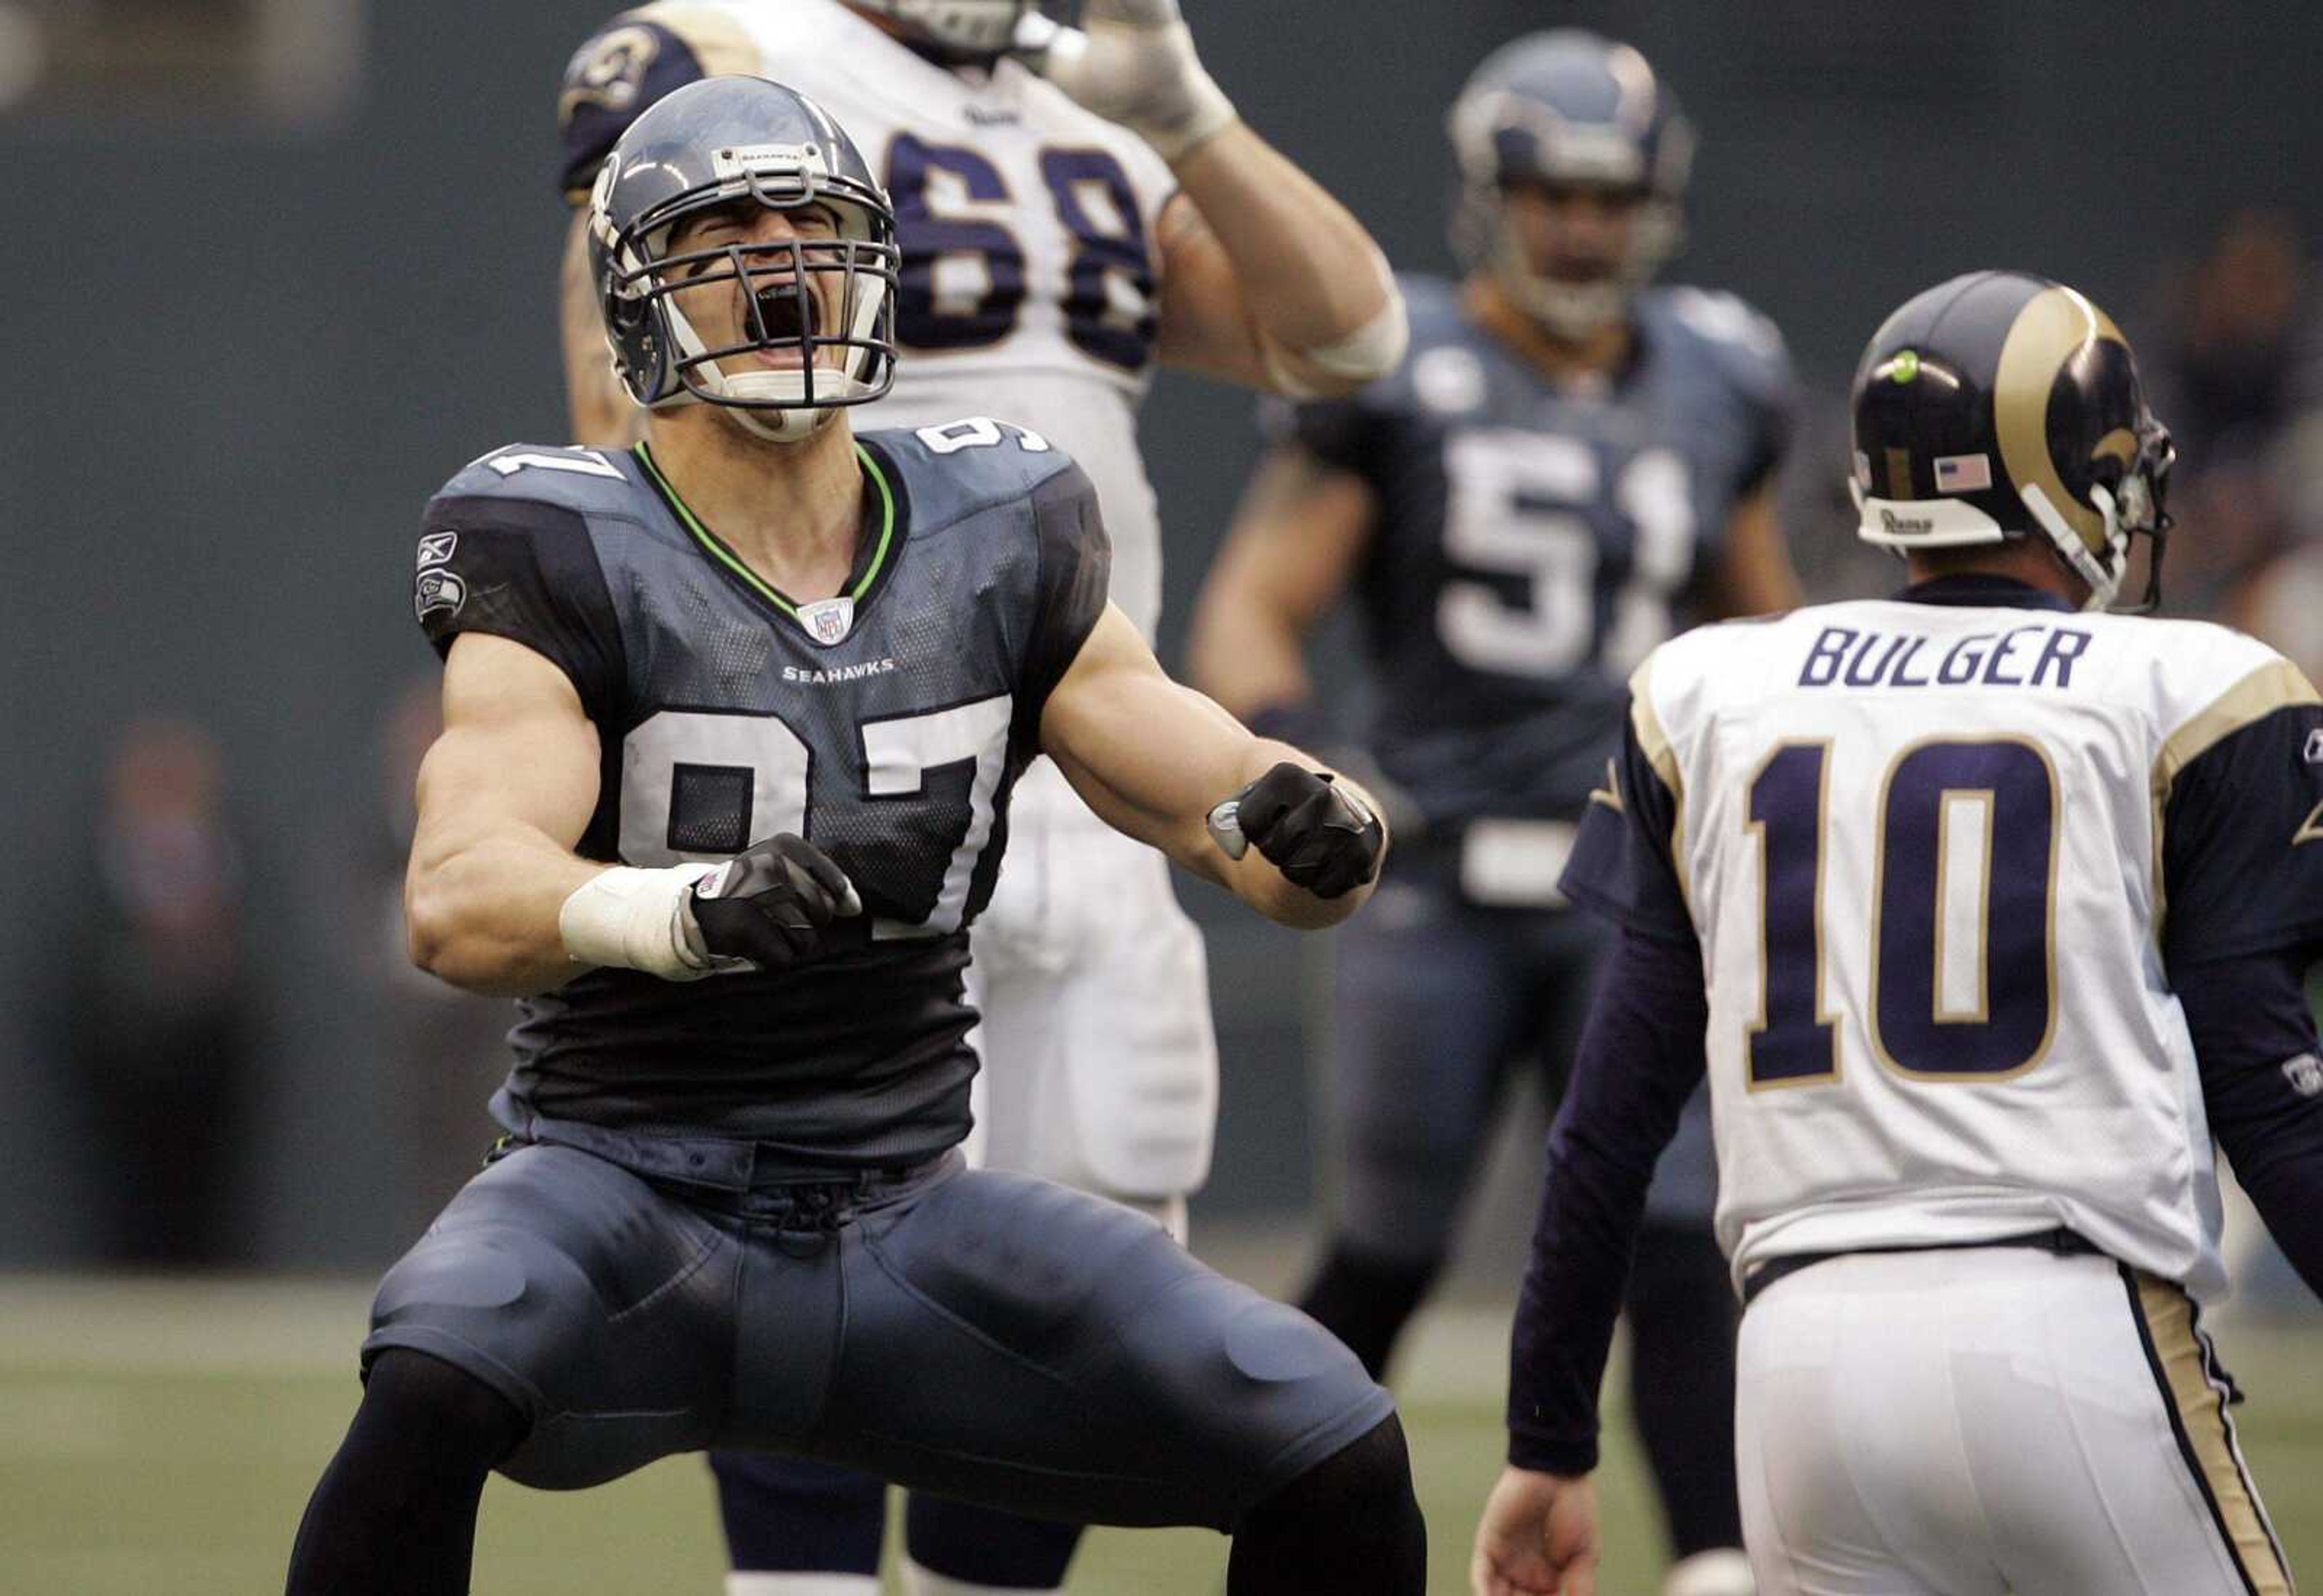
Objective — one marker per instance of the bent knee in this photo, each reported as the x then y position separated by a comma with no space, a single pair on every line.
1375,1467
456,1413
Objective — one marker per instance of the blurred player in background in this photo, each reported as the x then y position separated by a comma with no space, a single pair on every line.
1073,208
1984,915
729,1210
1566,459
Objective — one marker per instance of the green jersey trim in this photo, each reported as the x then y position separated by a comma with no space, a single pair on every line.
716,547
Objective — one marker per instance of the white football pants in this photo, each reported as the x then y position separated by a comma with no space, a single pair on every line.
1101,1065
1974,1421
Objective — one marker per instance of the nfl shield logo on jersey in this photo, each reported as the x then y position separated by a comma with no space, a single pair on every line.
829,620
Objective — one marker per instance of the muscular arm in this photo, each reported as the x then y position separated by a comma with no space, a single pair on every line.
1152,757
1293,549
603,415
504,795
1754,574
1264,276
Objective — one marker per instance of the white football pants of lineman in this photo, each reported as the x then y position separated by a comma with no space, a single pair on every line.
1979,1420
1100,1068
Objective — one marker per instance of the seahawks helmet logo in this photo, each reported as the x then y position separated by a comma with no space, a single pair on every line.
437,592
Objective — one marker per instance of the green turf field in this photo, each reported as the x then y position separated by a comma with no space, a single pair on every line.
163,1436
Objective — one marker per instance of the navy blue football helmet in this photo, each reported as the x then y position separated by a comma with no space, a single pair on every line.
1567,109
1999,405
717,142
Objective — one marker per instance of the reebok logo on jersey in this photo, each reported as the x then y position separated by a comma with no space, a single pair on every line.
438,547
869,668
2305,1074
2314,755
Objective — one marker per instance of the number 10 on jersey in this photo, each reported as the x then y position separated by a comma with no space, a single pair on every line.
1961,970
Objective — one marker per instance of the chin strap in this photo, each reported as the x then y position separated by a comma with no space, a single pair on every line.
2102,584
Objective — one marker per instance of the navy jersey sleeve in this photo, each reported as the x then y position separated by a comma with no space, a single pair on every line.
1621,865
2263,1090
1641,1055
1076,571
2242,839
624,68
527,572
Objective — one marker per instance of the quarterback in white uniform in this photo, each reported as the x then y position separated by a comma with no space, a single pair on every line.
1986,913
1074,207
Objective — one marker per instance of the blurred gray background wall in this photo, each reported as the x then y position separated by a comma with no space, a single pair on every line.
240,349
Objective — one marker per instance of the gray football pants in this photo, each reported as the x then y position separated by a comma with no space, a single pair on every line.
1439,1003
987,1337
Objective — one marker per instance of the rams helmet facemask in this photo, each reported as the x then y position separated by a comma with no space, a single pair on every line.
1567,109
971,31
2000,406
734,141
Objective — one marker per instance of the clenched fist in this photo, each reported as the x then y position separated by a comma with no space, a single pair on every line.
768,907
1321,835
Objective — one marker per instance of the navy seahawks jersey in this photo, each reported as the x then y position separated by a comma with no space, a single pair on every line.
886,726
1535,540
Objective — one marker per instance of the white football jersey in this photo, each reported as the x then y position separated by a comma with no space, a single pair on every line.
1921,845
1030,282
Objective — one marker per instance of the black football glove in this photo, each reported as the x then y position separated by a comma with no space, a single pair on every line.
1321,837
769,905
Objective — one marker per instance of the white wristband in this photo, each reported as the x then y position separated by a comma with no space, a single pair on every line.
1364,355
638,920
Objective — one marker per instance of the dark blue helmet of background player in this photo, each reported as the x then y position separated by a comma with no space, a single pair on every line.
963,30
1567,109
717,142
1999,405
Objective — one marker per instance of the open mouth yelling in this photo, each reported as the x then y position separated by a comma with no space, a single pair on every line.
788,315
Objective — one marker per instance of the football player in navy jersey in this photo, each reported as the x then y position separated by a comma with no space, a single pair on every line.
1567,464
1076,209
731,722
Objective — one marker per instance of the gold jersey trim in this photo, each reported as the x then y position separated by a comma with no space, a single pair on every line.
1655,744
2195,1397
2275,685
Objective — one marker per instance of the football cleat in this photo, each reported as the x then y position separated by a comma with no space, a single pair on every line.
716,143
1999,405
